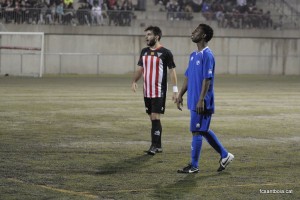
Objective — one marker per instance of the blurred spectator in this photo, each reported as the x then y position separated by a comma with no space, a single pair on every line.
126,13
172,8
206,10
49,18
242,6
8,11
17,13
68,15
253,2
196,5
97,17
68,2
113,12
188,10
266,20
84,14
220,16
141,5
60,12
185,10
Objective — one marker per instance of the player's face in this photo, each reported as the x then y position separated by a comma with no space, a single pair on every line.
150,38
197,35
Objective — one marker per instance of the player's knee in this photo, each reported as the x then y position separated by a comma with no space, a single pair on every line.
154,116
199,133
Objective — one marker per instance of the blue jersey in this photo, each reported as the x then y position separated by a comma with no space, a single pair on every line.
201,66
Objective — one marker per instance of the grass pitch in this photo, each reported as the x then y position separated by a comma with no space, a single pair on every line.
84,137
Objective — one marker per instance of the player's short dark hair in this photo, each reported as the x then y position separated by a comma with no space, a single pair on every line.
156,31
208,31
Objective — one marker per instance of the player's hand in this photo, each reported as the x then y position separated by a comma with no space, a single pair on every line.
200,107
134,86
179,102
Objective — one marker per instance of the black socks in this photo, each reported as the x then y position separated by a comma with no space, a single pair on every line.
156,132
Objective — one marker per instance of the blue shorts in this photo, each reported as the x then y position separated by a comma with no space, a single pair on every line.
199,123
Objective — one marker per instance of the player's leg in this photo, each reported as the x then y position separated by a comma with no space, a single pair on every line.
196,146
198,125
226,157
213,140
156,131
148,108
157,108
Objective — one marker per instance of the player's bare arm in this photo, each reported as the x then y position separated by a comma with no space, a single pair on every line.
138,74
179,100
200,104
174,83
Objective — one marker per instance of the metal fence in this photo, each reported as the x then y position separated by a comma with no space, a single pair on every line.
72,17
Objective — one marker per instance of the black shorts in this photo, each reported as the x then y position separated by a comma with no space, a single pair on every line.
155,105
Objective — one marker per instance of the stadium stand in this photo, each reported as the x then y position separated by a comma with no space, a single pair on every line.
237,14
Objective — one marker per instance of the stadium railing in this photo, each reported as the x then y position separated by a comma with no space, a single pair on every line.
137,18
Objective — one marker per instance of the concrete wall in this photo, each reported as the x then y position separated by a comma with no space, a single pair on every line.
115,50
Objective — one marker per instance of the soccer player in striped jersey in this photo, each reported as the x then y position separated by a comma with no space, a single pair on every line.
199,85
153,65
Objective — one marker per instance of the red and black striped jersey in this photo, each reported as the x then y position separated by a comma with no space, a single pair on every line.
155,63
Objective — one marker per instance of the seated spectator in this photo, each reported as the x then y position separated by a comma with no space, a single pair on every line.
49,15
266,20
242,6
60,12
8,8
206,10
172,8
97,17
186,10
68,2
68,15
113,12
220,16
196,5
17,13
126,13
84,14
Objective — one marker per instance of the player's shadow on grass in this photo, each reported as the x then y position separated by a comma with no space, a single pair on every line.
183,187
124,165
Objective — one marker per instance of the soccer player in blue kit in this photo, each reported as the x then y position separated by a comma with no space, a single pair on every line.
199,85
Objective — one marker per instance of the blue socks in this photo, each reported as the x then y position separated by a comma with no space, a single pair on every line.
212,139
196,149
196,146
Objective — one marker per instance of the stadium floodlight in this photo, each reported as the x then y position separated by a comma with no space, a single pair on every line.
22,53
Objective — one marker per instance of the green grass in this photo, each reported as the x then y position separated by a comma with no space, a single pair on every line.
83,138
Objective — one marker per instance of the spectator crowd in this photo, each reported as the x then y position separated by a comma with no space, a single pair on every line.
90,12
227,13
